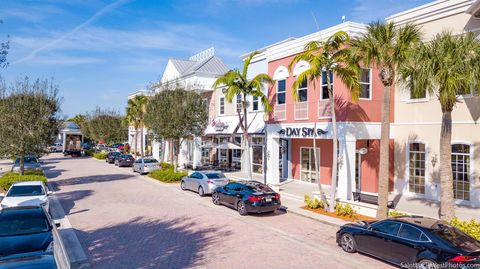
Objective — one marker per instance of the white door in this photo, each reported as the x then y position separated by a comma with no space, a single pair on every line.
307,169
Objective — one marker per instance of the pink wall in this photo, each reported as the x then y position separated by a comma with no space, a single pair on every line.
326,152
361,111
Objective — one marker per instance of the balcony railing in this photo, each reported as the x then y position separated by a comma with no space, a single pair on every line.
324,111
280,112
301,111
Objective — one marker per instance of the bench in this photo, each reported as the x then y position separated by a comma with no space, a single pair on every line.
370,199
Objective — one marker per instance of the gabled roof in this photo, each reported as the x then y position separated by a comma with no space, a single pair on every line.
211,65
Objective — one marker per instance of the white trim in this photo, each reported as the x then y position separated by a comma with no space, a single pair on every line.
300,67
332,84
310,171
407,169
472,171
370,84
281,73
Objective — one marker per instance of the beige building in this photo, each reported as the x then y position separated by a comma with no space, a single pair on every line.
417,122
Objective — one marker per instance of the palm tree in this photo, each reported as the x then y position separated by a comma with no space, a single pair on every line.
386,47
136,116
328,57
447,66
236,83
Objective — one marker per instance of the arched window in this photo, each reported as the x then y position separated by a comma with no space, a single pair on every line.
300,67
416,180
461,171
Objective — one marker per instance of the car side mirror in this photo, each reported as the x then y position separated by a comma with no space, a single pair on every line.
49,193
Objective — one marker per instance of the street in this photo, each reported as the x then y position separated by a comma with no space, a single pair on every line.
124,220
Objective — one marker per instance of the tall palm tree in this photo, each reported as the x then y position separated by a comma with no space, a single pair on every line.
330,56
136,110
236,83
447,66
386,46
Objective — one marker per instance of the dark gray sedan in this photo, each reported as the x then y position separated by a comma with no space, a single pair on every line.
124,160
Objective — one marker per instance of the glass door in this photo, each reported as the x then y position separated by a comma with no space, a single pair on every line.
307,171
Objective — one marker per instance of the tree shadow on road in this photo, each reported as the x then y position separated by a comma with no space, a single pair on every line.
51,172
68,199
90,179
146,243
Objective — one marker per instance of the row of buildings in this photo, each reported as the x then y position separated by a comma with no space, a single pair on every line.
282,145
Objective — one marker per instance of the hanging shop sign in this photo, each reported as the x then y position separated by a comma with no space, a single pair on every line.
303,131
219,125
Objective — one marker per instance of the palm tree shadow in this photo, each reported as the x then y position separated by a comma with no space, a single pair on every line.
88,179
147,243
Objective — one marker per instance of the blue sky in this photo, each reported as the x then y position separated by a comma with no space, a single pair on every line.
98,51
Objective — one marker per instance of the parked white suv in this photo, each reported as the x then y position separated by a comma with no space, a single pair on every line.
26,193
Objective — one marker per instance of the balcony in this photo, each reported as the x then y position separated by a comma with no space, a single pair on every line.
280,112
324,111
301,111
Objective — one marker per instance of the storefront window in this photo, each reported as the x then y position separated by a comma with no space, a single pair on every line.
257,140
205,155
416,181
461,171
307,171
257,159
222,156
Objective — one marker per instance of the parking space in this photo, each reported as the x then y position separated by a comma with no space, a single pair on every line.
124,220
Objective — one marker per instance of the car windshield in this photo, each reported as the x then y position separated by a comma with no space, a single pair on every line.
150,161
115,153
12,225
215,175
126,156
455,237
27,160
17,191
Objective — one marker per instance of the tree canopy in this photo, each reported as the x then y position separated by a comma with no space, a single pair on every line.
105,124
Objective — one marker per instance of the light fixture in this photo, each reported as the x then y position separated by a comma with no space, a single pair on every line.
362,151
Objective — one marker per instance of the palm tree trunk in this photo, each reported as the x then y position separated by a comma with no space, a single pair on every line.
333,186
246,138
383,178
141,140
135,142
315,158
447,209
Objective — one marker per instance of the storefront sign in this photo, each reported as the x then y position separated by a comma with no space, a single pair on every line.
219,125
304,131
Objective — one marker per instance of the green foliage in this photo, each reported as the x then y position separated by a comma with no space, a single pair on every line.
166,166
393,214
167,175
29,117
89,152
344,210
135,116
471,227
313,203
106,125
100,155
9,178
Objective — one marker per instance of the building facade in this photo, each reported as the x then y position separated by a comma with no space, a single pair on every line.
416,129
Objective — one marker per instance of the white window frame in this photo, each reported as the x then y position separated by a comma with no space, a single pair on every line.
256,100
407,165
299,89
284,92
472,173
310,171
221,100
367,83
332,83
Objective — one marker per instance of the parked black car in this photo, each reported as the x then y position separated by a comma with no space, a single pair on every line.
412,242
124,160
247,197
112,156
24,230
43,260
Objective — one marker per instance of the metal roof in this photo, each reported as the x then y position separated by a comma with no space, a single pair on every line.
211,65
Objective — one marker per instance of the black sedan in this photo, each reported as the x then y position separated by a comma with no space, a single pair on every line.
112,156
247,197
124,160
412,242
25,230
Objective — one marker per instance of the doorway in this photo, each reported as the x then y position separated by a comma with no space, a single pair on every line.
307,165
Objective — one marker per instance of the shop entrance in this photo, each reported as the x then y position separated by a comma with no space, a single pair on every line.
307,171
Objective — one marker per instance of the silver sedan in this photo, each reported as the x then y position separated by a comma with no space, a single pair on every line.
203,182
30,163
145,165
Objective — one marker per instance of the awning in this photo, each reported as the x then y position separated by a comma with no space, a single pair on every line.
228,145
222,125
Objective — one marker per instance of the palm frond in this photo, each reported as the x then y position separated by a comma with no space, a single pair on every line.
247,61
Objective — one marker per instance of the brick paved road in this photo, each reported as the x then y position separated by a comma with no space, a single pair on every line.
128,221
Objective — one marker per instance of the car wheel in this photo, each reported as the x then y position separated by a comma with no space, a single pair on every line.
427,264
216,198
348,243
201,192
241,208
182,186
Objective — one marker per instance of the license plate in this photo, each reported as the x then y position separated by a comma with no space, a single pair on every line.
268,199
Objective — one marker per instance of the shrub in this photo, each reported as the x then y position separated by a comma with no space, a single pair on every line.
9,178
470,227
393,214
166,166
345,210
100,155
313,203
167,175
89,152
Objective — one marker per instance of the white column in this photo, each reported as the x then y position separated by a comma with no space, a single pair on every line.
156,150
272,173
346,171
64,141
197,152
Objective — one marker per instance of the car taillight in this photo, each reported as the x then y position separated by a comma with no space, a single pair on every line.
277,196
210,181
145,165
254,199
462,258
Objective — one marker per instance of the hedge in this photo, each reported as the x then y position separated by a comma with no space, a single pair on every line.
9,178
100,155
89,152
470,227
167,175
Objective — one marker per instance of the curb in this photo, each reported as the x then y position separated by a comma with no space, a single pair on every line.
312,218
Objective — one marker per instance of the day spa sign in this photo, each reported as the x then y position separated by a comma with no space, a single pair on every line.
301,132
